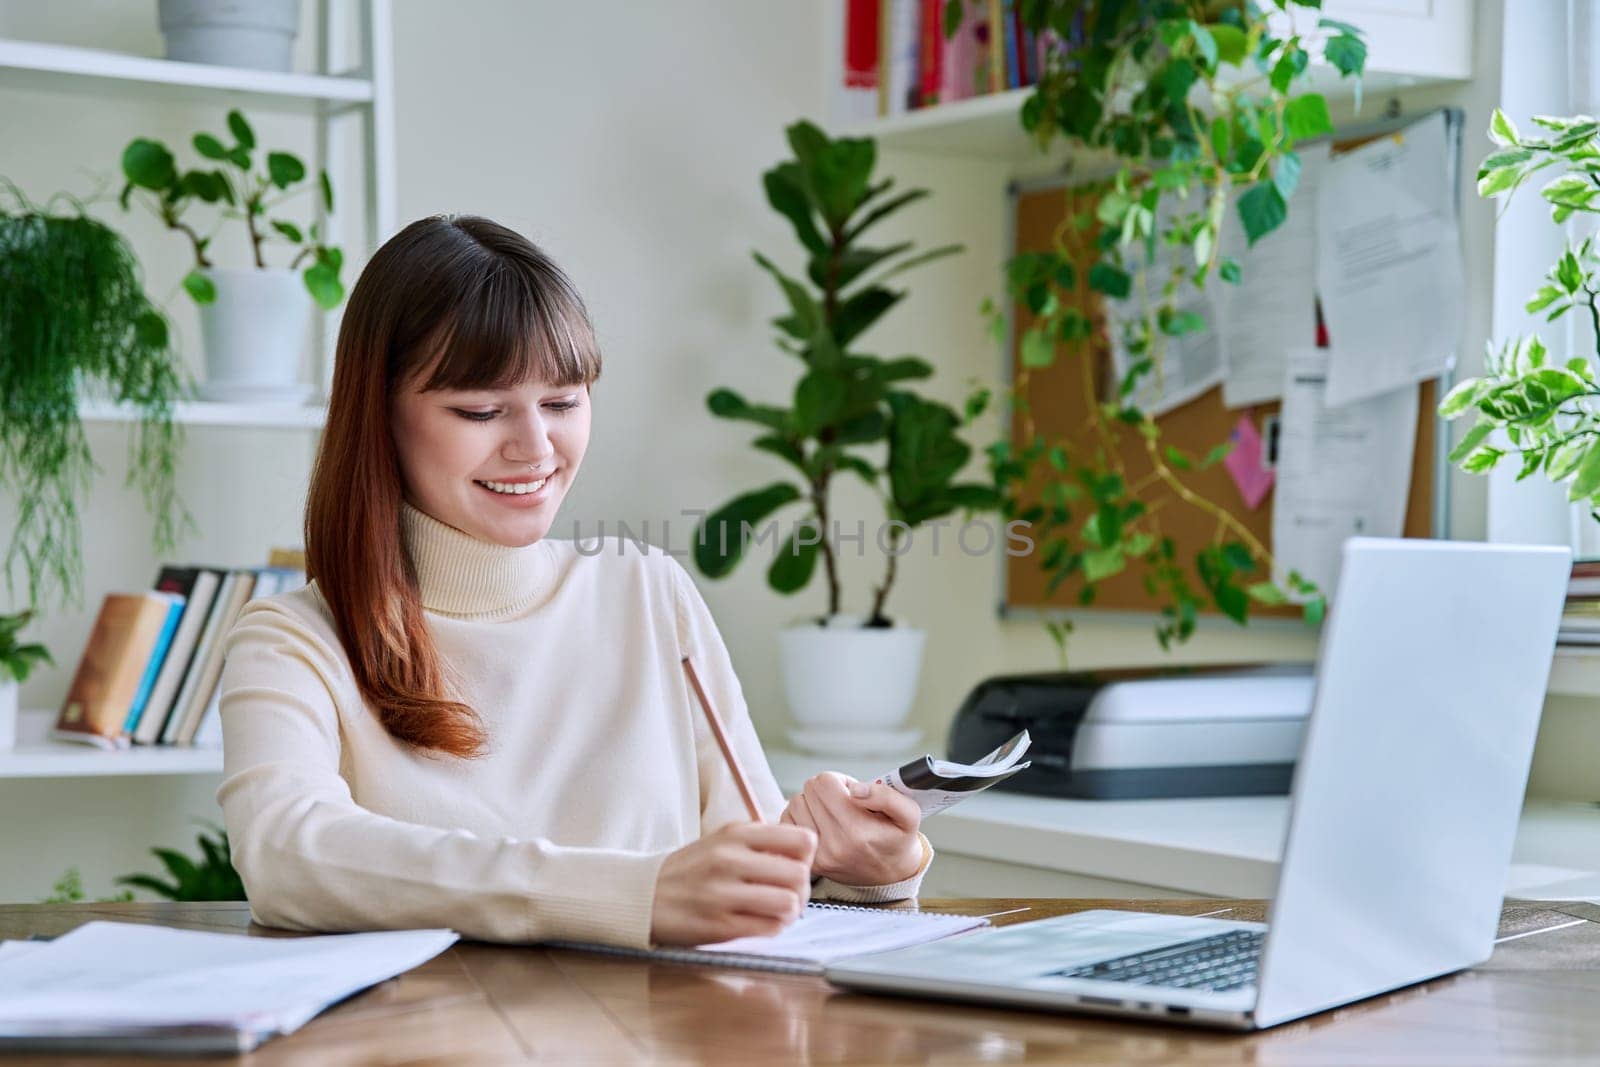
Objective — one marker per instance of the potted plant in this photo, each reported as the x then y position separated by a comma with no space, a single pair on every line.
253,320
228,33
850,679
1533,406
1199,108
17,661
74,319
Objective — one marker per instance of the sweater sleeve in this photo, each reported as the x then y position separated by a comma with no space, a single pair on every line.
311,858
720,802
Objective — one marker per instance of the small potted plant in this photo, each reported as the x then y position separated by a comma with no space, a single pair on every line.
850,679
17,661
253,319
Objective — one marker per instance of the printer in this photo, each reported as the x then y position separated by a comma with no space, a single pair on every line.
1133,734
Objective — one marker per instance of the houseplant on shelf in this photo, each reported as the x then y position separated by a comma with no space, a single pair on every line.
74,319
1534,406
253,319
17,661
850,679
1199,105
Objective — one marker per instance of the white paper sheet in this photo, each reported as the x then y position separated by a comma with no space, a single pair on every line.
1187,365
1274,306
1342,471
105,975
1389,261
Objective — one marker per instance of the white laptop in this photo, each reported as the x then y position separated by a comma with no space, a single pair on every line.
1430,680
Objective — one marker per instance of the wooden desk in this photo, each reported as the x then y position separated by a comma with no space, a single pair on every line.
1532,1003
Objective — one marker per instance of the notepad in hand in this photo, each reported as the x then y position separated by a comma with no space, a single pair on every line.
824,934
935,784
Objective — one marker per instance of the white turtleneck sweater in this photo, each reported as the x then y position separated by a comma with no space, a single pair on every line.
599,760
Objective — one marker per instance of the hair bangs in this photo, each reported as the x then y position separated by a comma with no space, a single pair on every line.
513,330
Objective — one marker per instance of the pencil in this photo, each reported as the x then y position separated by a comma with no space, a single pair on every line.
737,771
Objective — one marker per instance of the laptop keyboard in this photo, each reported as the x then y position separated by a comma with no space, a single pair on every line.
1218,963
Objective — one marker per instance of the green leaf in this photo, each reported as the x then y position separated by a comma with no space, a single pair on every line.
1307,116
727,404
209,146
284,169
241,130
787,192
1038,349
1262,210
724,534
1502,131
1462,397
149,165
1587,479
1228,271
1290,65
795,562
1266,593
322,282
819,400
1110,280
1347,53
1230,41
1471,440
289,230
1205,44
806,316
200,287
1100,563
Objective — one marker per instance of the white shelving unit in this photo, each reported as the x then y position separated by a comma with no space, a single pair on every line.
36,756
350,100
210,413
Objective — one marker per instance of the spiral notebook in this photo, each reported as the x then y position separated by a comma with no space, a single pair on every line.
825,934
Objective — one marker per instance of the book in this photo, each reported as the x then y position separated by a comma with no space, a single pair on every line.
858,98
930,53
133,988
202,594
901,43
111,668
209,733
994,49
207,665
158,655
824,934
936,784
963,55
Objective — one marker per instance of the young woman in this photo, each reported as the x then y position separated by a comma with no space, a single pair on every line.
462,722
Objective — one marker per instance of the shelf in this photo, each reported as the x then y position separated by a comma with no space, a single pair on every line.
35,756
990,127
33,65
210,413
1220,846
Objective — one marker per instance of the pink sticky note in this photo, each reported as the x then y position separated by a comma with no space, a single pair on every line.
1244,463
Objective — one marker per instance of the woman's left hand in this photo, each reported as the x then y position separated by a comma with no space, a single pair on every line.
866,832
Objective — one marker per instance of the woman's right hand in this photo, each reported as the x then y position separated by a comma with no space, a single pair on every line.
745,880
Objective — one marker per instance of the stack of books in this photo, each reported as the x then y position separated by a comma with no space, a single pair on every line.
1580,623
149,672
898,59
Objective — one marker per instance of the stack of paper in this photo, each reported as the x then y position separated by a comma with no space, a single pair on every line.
129,988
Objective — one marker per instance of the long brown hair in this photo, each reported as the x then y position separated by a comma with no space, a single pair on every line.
474,306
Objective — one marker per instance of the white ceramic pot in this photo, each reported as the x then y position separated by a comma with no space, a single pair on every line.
256,336
851,687
8,714
232,33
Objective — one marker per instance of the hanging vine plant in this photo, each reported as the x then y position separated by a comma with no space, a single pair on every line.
74,317
1200,105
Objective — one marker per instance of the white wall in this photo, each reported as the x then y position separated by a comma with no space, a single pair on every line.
628,140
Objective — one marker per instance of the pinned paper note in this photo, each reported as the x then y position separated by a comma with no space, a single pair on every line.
1246,464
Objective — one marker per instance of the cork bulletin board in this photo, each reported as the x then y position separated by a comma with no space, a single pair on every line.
1060,407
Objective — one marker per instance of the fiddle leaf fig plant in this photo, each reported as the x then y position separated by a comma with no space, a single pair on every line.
1535,407
850,412
240,189
1199,107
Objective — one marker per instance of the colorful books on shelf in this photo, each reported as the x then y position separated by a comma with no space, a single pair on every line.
897,57
148,674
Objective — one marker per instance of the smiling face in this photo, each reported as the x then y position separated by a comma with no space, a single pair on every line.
493,463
